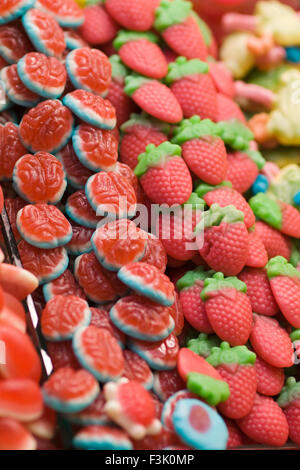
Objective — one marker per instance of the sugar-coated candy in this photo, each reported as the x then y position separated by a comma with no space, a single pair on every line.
199,425
131,406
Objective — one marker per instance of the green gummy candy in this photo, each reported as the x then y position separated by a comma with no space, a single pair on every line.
155,156
191,277
295,335
235,134
295,255
126,36
204,188
289,393
213,391
203,344
194,202
269,79
134,82
279,266
206,33
266,209
226,355
218,282
170,13
145,120
216,215
118,68
183,67
194,128
257,158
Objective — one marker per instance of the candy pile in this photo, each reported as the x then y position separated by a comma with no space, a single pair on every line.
25,423
167,329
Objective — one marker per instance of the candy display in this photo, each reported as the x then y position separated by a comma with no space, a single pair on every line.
150,216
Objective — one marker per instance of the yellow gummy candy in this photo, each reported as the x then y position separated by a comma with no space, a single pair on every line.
284,119
286,184
236,55
279,20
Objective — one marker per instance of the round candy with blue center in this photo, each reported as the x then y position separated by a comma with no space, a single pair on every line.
169,407
260,185
11,10
102,438
199,426
293,54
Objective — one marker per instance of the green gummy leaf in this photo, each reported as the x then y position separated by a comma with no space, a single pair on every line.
192,277
170,13
235,134
227,355
279,266
145,120
257,158
295,255
118,68
183,67
155,156
216,215
204,188
126,36
295,335
206,32
194,128
266,209
289,393
134,82
194,202
213,391
218,283
203,344
270,79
